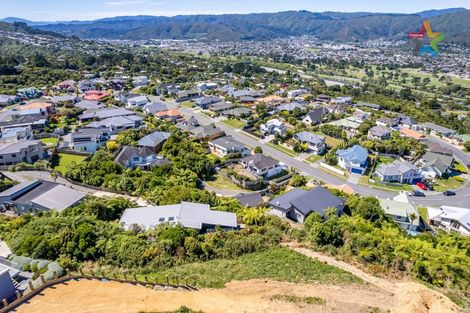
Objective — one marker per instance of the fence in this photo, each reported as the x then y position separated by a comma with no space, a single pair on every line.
332,169
21,299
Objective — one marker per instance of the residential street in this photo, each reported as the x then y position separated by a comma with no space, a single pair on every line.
435,200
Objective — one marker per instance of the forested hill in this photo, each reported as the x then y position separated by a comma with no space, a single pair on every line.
24,28
327,25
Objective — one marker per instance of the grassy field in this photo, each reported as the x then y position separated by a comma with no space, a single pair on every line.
313,158
234,123
62,160
281,264
283,149
450,183
221,181
50,141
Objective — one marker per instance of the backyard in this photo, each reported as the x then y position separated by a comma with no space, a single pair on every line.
62,160
50,141
221,181
234,123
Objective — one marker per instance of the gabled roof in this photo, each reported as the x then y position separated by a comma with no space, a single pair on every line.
379,131
284,202
16,147
260,161
290,106
155,107
229,143
354,154
317,200
154,139
396,168
253,199
316,114
309,137
59,198
441,161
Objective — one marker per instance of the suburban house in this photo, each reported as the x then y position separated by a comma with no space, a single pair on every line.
206,86
96,95
153,108
379,133
408,132
354,159
190,215
86,139
221,106
298,204
167,88
315,116
16,134
290,107
136,102
359,116
142,157
172,115
237,112
250,200
28,151
89,105
85,85
272,127
450,219
343,100
323,98
407,121
387,122
186,95
434,164
64,100
372,106
104,113
336,108
205,102
437,130
140,81
208,132
404,213
29,93
297,92
315,143
154,140
398,171
117,124
8,290
227,146
39,195
8,100
45,107
261,165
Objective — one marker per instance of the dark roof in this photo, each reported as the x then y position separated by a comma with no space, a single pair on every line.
250,199
260,161
316,200
153,139
35,192
128,152
284,201
316,115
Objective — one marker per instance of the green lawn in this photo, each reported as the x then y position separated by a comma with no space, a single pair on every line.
281,264
50,141
221,181
450,183
62,160
424,213
283,149
234,123
188,105
364,180
313,158
330,141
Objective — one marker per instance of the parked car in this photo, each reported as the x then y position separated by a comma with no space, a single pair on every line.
416,193
162,98
449,193
422,186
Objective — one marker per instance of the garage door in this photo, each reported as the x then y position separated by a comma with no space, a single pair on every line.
356,171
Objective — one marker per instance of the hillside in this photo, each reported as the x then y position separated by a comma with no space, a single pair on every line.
22,27
327,25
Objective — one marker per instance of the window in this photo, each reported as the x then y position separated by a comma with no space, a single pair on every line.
161,219
171,218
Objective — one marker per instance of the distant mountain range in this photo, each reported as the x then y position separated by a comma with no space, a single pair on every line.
261,26
22,27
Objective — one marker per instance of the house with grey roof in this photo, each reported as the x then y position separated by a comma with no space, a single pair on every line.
237,112
103,113
250,200
404,213
137,101
315,116
437,130
262,166
89,105
117,124
206,101
450,219
8,100
435,164
153,108
353,159
39,195
186,95
273,126
227,146
16,134
154,140
298,204
28,151
387,122
398,172
86,139
208,132
140,157
379,133
407,121
290,107
190,215
373,106
315,143
64,99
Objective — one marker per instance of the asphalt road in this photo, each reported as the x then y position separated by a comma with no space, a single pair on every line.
433,199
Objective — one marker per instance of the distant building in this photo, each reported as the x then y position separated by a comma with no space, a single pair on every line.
29,93
140,157
272,127
190,215
140,81
154,141
227,146
8,100
437,130
343,100
379,133
315,143
16,134
137,102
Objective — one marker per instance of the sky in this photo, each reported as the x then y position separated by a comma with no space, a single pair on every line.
65,10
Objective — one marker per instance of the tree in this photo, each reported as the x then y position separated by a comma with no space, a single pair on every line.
258,150
467,145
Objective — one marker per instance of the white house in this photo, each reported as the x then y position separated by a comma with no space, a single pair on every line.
272,127
137,102
228,146
401,172
343,100
315,143
140,81
450,219
262,165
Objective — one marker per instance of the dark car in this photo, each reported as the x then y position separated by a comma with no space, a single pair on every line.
417,193
449,193
162,98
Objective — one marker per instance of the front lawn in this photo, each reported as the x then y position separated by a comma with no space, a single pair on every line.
50,141
61,161
234,123
450,183
314,158
282,149
281,264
